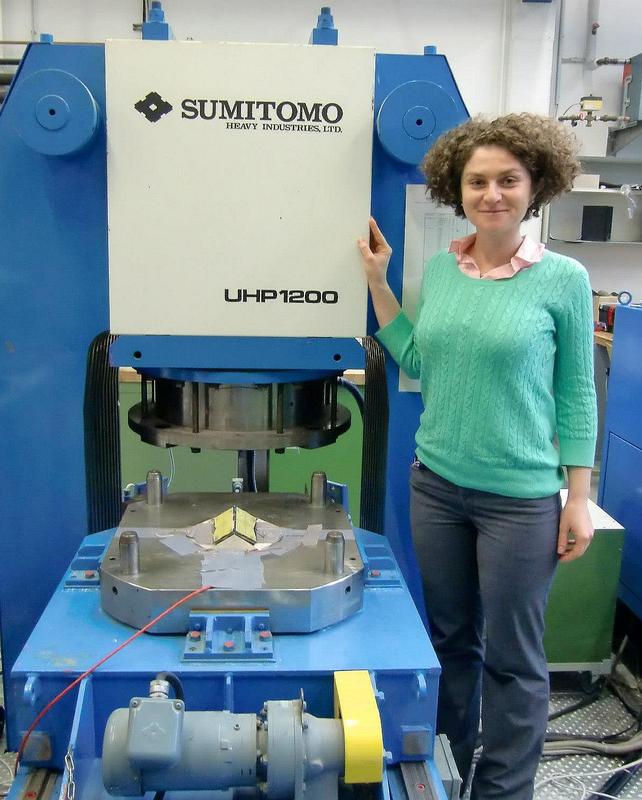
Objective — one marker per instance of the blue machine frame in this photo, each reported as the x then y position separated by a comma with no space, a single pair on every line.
387,638
620,492
54,302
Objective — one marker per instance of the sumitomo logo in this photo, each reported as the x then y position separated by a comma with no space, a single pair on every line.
251,115
267,115
153,107
262,110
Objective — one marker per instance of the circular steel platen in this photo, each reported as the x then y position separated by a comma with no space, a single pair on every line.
239,417
286,575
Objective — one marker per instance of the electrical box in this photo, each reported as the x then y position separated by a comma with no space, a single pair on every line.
579,615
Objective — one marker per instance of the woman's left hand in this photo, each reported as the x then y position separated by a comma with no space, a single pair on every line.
576,530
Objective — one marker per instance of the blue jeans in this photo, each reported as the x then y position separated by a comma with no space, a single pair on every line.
487,562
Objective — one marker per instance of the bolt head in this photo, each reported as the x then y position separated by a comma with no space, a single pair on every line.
375,573
89,573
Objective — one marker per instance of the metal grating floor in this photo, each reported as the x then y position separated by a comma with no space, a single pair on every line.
602,718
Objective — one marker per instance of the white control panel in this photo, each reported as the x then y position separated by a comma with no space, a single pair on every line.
238,182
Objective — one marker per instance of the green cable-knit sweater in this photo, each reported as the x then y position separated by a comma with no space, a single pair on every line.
506,374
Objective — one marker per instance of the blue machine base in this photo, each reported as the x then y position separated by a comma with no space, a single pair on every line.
386,637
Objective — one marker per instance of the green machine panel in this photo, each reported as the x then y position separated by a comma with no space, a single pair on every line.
581,608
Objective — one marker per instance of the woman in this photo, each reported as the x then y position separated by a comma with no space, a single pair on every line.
502,346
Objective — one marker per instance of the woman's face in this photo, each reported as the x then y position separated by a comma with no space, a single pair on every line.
496,190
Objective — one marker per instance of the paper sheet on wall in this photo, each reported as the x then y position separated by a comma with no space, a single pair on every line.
429,228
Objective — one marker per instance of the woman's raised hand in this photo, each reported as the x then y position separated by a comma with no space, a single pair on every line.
376,256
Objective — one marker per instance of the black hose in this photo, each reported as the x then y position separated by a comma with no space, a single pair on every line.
102,437
618,781
584,701
174,681
607,738
354,391
620,693
374,455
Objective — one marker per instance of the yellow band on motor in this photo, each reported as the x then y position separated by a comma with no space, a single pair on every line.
355,704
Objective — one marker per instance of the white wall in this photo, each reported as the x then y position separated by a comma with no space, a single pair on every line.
480,37
501,53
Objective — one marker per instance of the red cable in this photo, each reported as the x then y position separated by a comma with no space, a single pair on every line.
80,678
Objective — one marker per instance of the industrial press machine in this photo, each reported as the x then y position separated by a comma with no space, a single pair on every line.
190,210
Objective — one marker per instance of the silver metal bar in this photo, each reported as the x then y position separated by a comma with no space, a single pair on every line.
262,470
318,489
333,404
418,783
154,488
335,550
129,552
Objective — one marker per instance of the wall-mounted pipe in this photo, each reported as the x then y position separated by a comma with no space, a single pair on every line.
592,27
601,62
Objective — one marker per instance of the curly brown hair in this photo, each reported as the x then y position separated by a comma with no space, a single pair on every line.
544,146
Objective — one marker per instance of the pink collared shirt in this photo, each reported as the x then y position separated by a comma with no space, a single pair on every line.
529,253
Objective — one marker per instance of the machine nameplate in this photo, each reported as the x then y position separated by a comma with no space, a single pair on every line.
253,166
